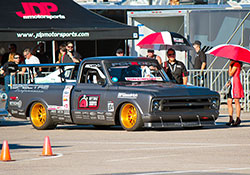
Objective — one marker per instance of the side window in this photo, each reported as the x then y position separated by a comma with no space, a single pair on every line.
93,74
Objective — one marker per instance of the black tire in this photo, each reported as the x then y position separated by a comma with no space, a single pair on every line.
40,118
130,117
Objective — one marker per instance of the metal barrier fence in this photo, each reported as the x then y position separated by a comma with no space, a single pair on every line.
23,78
19,78
216,79
208,79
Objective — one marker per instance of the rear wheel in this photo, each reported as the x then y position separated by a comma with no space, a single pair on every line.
130,117
40,118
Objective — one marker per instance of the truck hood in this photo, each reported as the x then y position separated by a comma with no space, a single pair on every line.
166,89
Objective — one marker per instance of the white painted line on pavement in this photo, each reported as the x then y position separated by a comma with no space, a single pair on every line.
45,157
39,158
138,158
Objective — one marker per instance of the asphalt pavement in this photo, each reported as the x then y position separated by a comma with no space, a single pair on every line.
217,150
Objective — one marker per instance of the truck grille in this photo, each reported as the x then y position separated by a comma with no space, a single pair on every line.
178,104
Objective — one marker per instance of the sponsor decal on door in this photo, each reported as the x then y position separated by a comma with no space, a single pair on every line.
88,102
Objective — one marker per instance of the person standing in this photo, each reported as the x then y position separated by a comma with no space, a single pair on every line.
8,70
175,70
30,59
9,57
150,54
235,92
200,61
40,52
71,55
62,53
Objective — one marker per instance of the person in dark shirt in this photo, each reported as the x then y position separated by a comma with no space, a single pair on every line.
71,55
10,55
9,69
175,70
200,61
150,54
40,52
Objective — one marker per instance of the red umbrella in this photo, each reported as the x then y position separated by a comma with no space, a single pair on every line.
233,52
164,41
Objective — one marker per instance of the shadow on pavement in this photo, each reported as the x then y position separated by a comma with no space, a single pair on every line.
89,127
14,123
219,125
243,124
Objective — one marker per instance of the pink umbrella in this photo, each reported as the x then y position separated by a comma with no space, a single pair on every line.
233,52
164,41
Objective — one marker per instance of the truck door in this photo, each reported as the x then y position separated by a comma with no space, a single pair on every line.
89,105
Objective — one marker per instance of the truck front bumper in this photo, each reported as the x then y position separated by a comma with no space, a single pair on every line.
180,119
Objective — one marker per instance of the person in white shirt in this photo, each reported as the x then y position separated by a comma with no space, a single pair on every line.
30,59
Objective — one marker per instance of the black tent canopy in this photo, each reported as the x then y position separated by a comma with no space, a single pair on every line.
34,20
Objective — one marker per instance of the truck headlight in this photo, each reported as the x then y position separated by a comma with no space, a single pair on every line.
215,103
156,105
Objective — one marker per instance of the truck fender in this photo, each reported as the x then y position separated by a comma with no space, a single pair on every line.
31,101
117,111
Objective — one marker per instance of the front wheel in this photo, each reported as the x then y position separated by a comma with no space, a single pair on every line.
40,118
130,117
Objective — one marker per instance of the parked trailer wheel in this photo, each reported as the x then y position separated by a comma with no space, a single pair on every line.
130,117
40,118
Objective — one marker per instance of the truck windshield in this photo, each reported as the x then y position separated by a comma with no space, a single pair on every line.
136,71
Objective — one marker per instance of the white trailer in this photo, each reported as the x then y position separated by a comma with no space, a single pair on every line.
211,27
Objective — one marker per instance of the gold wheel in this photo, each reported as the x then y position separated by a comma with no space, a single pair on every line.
129,117
38,115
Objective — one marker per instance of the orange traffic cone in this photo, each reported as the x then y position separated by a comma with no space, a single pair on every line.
47,151
5,154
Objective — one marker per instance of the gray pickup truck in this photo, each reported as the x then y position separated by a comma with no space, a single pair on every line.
133,92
